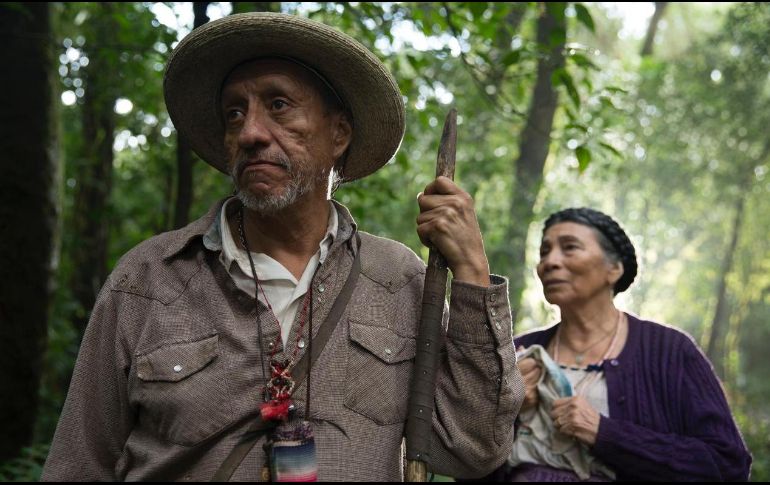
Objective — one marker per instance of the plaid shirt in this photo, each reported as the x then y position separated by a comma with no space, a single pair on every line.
169,371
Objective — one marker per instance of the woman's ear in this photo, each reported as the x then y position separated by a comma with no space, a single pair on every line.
615,272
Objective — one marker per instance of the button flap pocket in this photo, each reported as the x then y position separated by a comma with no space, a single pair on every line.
382,342
172,363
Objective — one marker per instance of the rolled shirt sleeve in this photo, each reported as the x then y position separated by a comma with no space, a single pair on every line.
479,388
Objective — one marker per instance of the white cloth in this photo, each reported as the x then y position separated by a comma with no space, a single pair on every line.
537,441
284,292
596,394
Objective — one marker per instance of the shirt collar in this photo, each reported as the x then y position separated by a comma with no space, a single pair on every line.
219,237
208,229
181,238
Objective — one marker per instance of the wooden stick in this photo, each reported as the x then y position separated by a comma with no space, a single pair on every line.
423,386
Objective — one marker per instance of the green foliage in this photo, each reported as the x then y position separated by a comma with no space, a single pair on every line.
584,16
666,145
26,468
756,433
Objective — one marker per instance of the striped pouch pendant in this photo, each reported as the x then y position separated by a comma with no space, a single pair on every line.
292,455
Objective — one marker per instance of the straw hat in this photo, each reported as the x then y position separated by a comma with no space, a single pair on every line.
199,65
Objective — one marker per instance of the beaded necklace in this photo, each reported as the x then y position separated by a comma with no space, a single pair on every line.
278,389
586,382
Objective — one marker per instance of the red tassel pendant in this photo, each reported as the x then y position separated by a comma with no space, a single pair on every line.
275,410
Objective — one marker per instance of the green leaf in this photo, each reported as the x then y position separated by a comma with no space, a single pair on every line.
556,9
615,89
571,115
577,126
558,37
607,102
478,9
512,57
584,16
584,157
561,76
583,61
611,149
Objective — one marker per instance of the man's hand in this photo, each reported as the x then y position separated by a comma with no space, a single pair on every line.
574,416
447,222
531,372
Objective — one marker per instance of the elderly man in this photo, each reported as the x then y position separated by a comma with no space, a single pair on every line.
197,346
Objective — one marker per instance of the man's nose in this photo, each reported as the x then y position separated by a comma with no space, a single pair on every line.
256,130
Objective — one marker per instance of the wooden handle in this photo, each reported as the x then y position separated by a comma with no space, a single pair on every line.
423,386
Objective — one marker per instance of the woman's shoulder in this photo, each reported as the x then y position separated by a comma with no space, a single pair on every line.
657,335
539,335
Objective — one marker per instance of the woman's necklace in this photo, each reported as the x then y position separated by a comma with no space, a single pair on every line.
580,355
585,383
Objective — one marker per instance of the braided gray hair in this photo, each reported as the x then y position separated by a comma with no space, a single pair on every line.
612,238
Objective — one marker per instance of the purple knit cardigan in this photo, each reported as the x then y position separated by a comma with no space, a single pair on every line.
669,419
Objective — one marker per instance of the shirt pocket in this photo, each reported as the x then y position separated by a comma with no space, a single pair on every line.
184,395
378,373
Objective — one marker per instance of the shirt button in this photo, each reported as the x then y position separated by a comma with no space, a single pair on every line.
497,325
388,351
270,346
493,297
321,288
493,312
301,343
177,368
614,363
621,399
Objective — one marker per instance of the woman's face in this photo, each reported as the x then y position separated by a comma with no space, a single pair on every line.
573,266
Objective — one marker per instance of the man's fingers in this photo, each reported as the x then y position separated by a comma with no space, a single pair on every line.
443,186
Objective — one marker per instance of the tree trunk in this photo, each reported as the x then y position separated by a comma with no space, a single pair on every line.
652,28
28,214
91,222
719,324
184,190
533,149
184,156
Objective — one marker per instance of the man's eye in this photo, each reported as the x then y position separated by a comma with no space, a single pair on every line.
279,104
233,115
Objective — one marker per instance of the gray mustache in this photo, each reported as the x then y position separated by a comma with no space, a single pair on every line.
278,159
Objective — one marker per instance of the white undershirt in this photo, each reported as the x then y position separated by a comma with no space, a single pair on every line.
284,292
596,394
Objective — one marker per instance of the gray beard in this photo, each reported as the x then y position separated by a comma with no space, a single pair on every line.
299,185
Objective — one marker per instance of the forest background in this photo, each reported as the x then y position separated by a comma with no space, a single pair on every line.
655,113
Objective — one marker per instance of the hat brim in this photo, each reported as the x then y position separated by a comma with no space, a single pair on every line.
199,64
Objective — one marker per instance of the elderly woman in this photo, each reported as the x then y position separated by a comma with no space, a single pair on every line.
644,402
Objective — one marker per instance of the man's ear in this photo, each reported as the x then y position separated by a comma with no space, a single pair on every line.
342,134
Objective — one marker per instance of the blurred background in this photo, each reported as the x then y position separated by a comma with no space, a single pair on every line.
655,113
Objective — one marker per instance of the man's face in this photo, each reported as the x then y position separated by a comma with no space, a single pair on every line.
280,138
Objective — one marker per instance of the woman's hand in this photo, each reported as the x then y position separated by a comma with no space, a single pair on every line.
530,371
573,416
